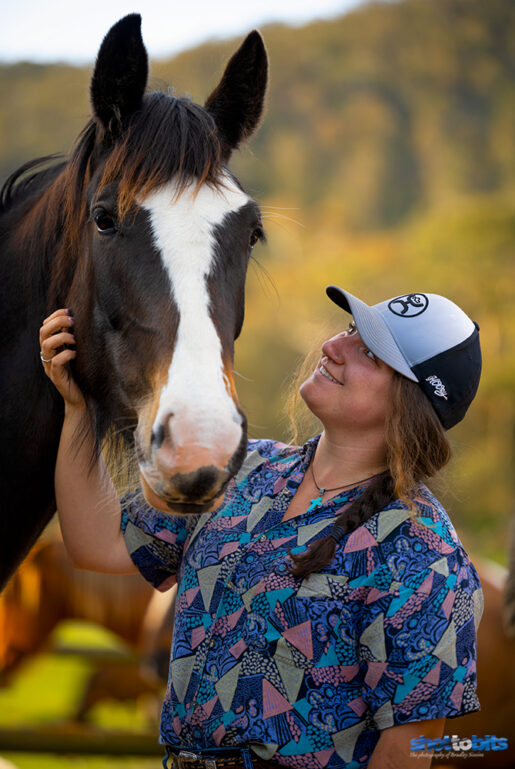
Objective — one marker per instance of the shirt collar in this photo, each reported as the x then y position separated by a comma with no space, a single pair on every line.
307,452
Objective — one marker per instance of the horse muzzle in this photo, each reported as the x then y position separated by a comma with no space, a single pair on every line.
187,473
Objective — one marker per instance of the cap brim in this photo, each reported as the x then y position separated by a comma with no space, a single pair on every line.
372,329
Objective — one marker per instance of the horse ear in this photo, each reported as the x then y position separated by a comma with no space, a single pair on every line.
236,104
120,74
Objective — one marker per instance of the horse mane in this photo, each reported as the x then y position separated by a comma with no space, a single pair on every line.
22,182
167,138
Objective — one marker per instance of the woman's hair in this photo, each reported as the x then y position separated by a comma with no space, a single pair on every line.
416,449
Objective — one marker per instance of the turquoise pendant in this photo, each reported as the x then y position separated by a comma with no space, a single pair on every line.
316,502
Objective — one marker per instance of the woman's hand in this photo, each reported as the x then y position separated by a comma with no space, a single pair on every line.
53,335
87,502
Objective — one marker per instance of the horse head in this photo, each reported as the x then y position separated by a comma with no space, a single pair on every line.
162,233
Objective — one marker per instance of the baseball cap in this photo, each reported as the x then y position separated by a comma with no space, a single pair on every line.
428,339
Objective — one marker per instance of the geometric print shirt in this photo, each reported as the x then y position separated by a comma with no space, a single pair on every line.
308,671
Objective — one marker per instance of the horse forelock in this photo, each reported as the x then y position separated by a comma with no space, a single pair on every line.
167,138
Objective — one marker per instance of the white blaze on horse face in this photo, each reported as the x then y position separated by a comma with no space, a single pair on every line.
205,424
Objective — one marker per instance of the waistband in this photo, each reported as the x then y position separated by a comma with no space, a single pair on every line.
179,757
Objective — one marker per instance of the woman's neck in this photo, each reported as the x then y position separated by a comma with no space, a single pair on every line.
339,461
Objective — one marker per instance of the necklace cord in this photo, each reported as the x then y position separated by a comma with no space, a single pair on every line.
322,489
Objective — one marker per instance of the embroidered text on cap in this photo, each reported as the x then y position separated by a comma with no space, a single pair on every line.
409,305
439,386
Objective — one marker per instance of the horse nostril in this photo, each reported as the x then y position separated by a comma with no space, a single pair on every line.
158,436
197,485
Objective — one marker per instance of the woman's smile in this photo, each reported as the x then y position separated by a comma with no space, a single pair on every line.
349,388
322,370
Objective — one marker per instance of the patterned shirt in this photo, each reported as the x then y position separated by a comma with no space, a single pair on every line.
308,671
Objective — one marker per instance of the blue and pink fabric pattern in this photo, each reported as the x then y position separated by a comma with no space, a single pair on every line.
308,671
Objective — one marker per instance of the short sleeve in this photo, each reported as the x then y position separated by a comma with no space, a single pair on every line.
418,644
155,540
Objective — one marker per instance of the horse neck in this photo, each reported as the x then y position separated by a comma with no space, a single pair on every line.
31,227
117,603
28,613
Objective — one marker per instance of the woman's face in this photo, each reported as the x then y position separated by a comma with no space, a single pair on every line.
350,387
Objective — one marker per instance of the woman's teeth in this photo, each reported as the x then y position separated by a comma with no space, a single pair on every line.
326,373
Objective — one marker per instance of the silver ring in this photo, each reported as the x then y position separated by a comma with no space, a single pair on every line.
44,359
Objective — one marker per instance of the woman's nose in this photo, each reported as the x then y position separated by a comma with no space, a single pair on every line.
336,347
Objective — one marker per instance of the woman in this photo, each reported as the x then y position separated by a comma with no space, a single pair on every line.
326,610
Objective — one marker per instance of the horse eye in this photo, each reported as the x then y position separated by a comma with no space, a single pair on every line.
104,223
256,235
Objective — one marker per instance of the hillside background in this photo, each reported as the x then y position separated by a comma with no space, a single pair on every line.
386,164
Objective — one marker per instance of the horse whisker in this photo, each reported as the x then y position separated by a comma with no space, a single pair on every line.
269,215
241,376
279,208
267,275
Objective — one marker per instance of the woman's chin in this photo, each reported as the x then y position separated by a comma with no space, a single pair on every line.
310,393
314,389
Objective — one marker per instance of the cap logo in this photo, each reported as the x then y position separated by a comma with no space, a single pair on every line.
409,305
439,386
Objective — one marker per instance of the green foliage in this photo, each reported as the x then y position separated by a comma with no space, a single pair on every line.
43,109
46,691
387,110
40,761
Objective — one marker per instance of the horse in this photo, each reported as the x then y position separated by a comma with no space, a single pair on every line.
145,235
495,676
47,590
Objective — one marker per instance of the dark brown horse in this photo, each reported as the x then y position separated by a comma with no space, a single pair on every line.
47,590
145,234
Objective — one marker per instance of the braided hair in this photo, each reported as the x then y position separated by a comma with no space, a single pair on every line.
416,448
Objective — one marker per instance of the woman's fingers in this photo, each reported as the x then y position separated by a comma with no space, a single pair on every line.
57,313
53,324
58,362
54,333
61,378
50,345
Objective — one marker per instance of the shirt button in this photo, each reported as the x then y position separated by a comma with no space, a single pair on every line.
212,643
262,538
